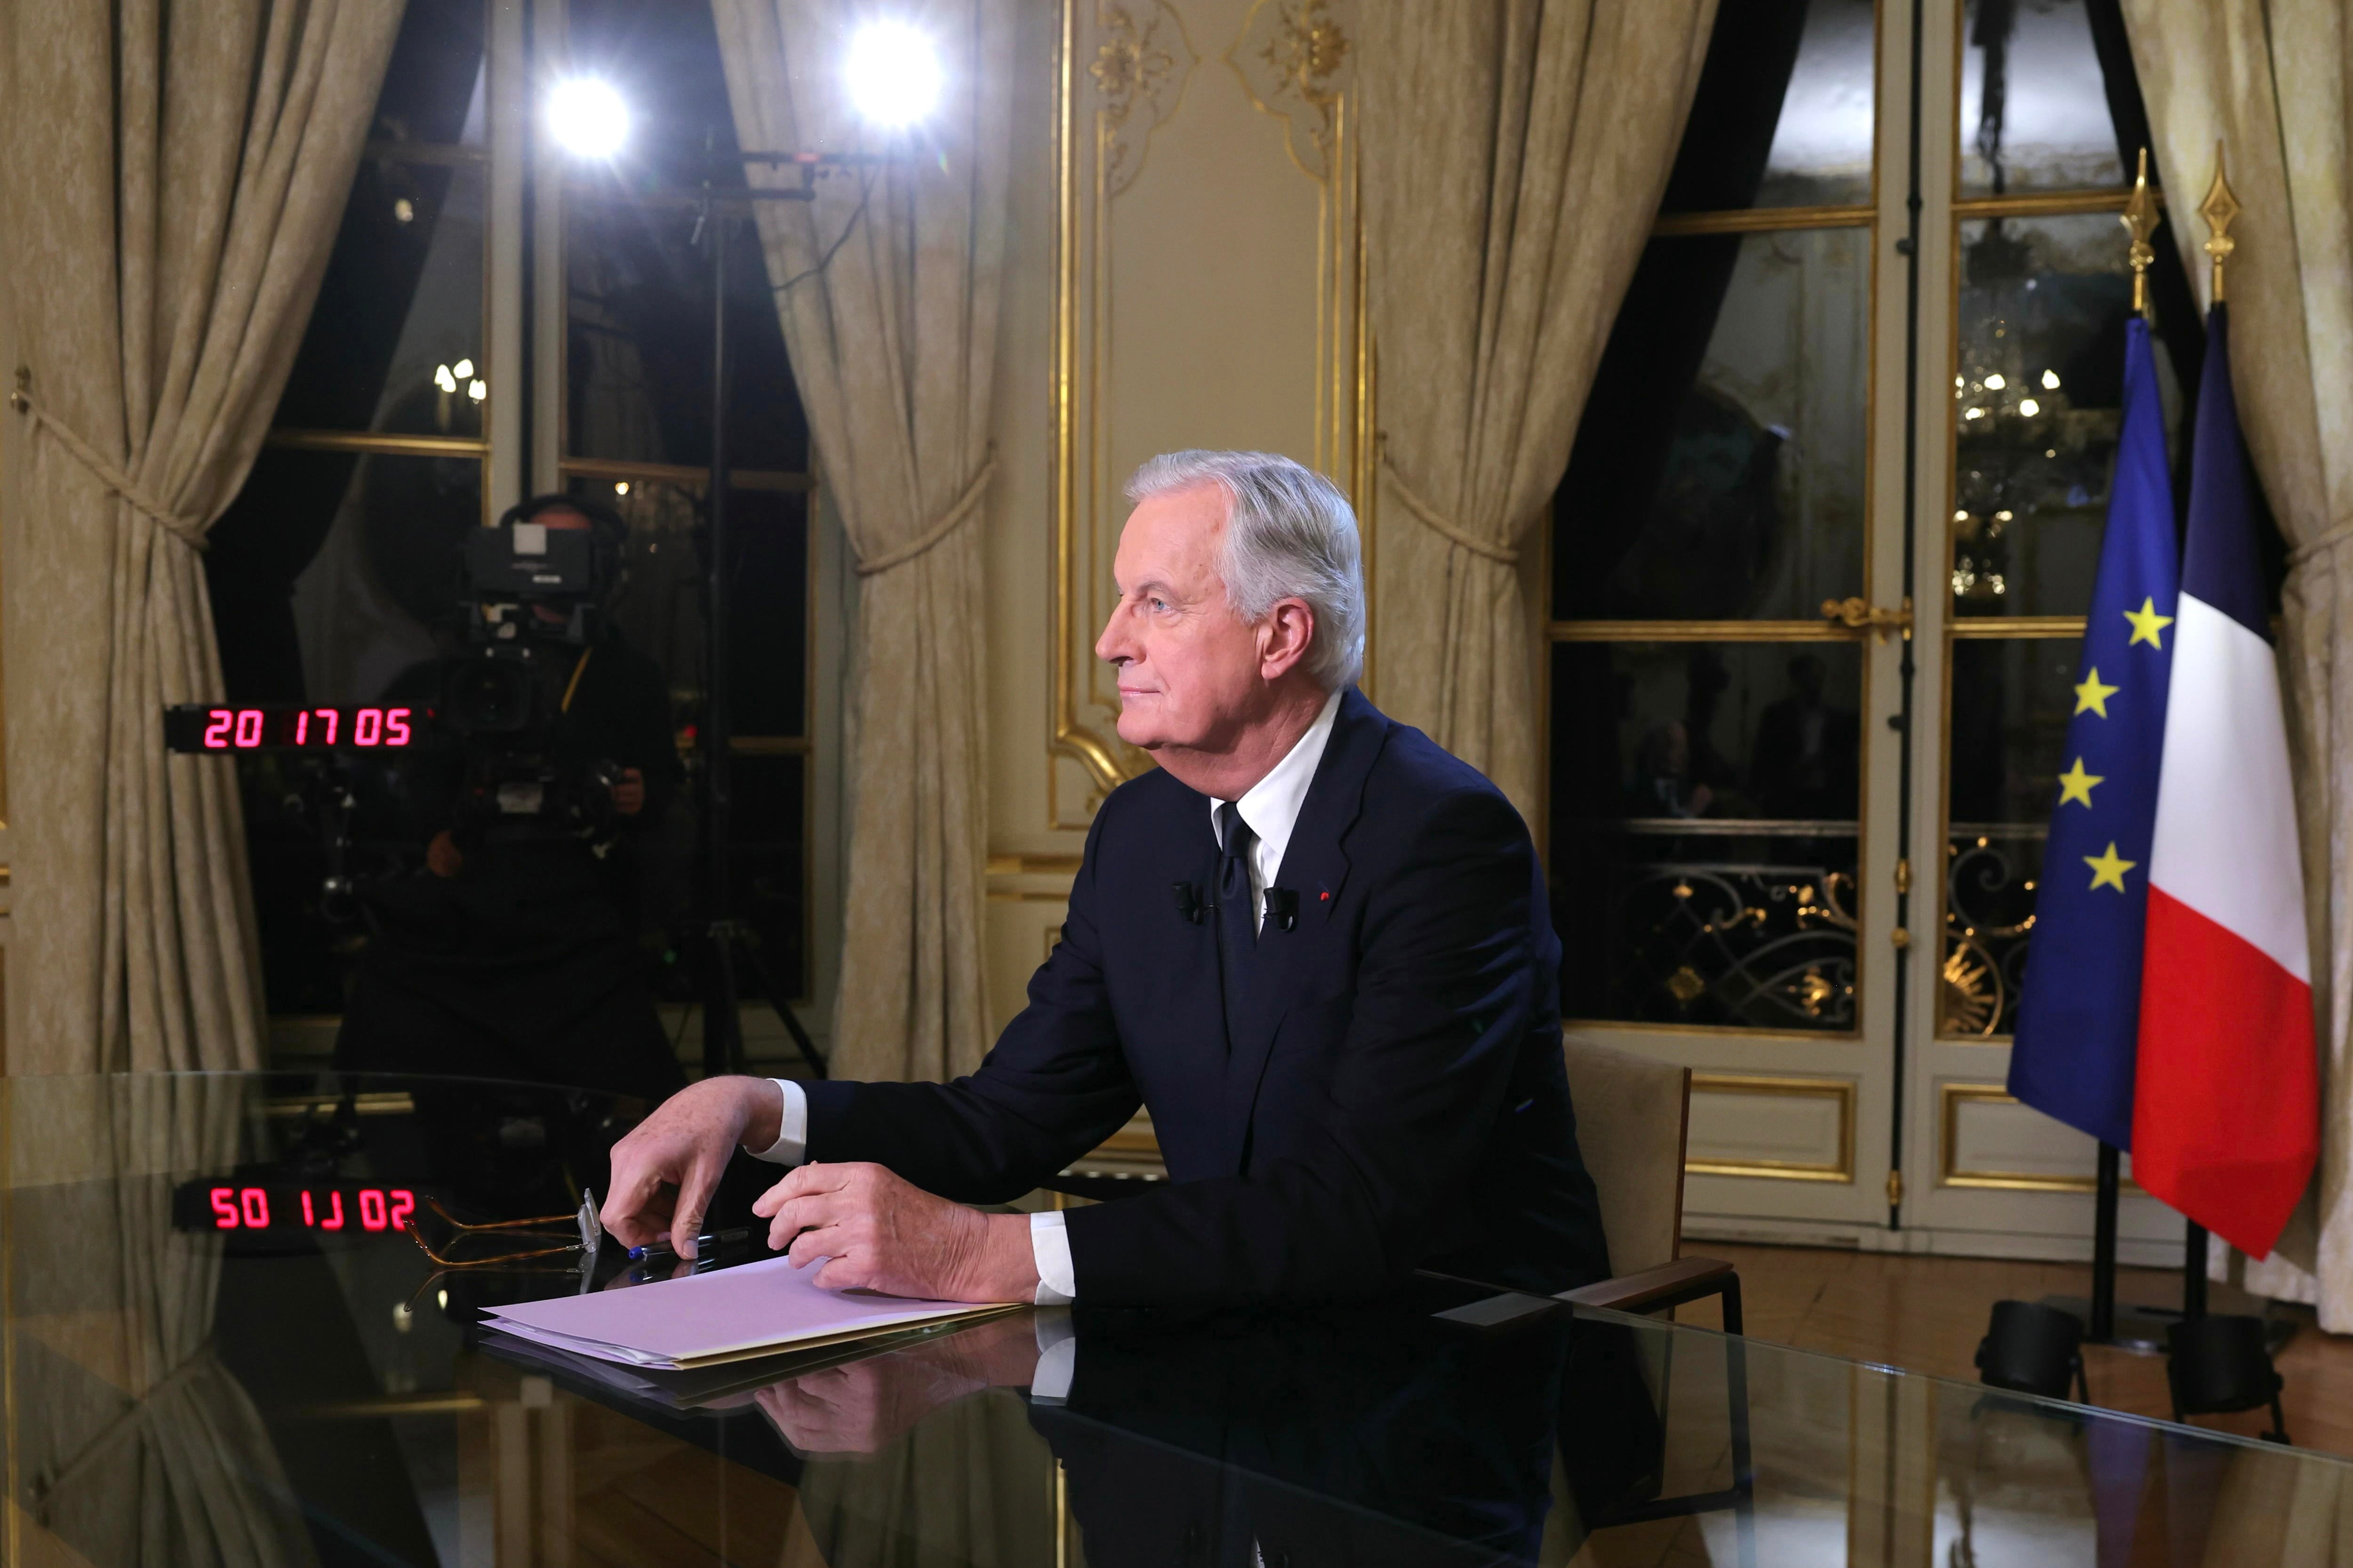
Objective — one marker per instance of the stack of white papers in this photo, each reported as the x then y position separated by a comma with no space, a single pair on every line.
729,1314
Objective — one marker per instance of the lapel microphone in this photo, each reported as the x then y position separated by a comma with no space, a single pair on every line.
1283,909
1188,903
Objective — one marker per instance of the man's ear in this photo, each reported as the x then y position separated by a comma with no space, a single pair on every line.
1284,637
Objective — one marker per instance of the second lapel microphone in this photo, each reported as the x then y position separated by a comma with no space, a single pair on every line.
1283,909
1188,903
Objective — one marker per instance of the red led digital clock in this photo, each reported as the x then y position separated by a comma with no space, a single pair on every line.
277,1210
282,727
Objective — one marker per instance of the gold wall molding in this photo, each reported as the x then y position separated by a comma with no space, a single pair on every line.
1760,220
1034,865
1950,1172
1139,69
1840,1091
2014,626
1120,78
1295,59
1704,631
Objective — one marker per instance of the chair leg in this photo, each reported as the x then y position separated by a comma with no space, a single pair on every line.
1731,1294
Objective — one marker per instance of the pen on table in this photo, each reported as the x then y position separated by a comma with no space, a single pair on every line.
707,1241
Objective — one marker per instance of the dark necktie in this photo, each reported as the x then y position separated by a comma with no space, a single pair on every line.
1237,913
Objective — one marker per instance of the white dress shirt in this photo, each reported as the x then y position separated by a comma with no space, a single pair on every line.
1272,808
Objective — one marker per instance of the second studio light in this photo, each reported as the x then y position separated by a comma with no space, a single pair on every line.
893,74
587,117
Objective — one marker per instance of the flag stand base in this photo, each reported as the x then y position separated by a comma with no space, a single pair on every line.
2140,1329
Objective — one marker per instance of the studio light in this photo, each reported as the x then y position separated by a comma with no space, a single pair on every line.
893,74
587,117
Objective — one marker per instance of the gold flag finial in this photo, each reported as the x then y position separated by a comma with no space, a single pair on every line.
2219,209
2140,221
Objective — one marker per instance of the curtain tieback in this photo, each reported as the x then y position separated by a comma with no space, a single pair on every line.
188,531
1432,519
2335,536
950,521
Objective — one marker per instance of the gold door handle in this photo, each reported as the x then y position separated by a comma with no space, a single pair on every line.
1859,614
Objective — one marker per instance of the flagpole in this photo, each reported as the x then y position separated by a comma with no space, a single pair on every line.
2140,221
2218,209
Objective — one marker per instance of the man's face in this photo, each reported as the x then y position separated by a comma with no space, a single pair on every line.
1190,670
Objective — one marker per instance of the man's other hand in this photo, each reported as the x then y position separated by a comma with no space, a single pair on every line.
629,794
442,856
667,1168
882,1233
865,1406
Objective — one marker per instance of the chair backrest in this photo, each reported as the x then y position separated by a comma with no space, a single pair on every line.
1633,1116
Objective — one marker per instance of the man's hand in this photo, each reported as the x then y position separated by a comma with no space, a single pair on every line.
885,1233
864,1406
442,856
860,1408
629,794
664,1171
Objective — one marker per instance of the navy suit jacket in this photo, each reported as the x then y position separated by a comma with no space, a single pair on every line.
1395,1098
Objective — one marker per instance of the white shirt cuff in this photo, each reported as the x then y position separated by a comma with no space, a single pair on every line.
792,1133
1058,1358
1049,1244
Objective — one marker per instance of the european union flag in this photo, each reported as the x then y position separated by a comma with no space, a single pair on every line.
2079,1010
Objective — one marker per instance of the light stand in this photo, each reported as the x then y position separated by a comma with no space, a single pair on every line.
728,942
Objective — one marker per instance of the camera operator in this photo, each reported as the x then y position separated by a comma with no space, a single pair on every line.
514,952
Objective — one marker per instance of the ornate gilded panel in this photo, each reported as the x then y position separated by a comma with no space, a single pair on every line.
1207,291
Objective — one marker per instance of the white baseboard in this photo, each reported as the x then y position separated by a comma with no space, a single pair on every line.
1924,1239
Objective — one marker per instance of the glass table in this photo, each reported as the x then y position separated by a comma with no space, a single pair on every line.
222,1346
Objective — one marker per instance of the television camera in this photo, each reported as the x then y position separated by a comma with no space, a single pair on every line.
480,720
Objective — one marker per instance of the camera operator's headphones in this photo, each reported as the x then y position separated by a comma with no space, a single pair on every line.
608,533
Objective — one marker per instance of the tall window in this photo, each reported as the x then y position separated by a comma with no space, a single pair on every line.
334,571
1705,725
1820,566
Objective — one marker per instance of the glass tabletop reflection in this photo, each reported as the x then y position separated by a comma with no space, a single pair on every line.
224,1345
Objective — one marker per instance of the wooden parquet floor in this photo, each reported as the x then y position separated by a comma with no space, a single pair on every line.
1927,1314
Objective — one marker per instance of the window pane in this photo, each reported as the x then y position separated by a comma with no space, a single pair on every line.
2011,703
767,866
638,354
2038,397
1704,800
659,607
401,302
386,580
1720,469
433,87
2034,104
1783,115
768,624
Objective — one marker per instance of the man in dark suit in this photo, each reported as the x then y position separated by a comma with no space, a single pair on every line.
1315,945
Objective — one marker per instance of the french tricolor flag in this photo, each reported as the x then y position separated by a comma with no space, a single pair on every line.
2226,1117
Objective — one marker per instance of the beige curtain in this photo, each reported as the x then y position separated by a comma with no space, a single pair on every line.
1514,153
2269,79
888,286
175,173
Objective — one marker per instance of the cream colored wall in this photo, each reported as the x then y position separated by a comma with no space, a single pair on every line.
1183,273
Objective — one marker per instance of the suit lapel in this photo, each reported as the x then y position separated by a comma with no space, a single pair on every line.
1315,865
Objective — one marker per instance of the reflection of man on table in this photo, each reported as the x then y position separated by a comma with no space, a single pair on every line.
1315,945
